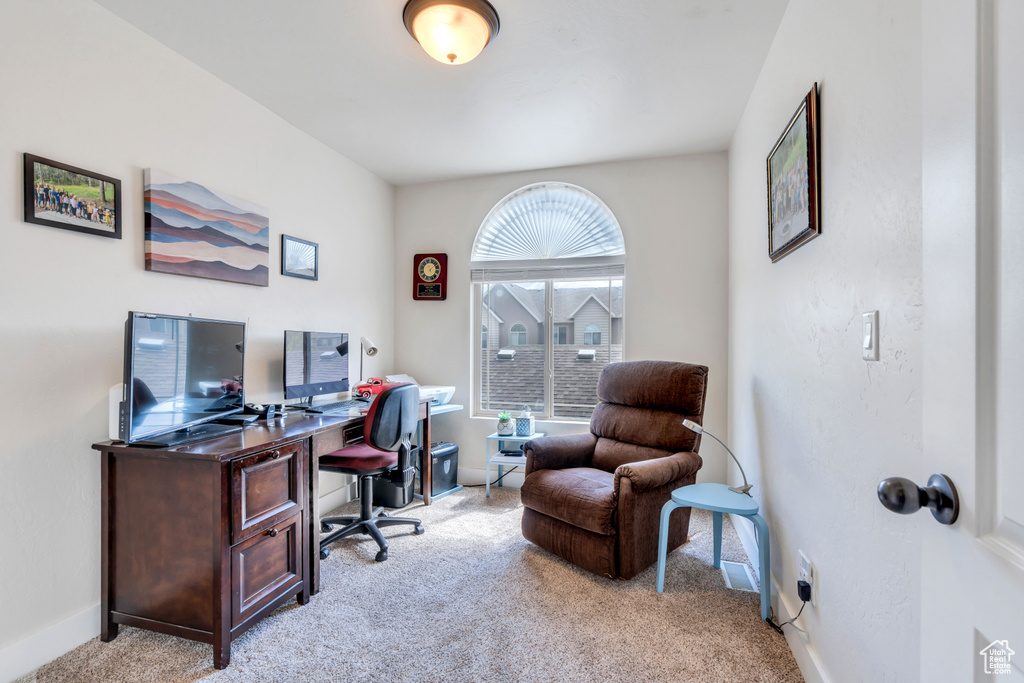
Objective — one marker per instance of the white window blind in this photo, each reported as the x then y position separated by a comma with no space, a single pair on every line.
548,231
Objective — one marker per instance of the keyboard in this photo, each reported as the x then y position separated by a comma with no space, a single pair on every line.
338,406
224,403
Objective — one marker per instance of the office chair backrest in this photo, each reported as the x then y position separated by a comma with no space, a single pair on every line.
392,417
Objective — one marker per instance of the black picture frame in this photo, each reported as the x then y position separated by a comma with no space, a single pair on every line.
61,177
794,182
300,258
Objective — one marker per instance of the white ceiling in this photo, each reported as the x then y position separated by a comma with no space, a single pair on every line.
564,81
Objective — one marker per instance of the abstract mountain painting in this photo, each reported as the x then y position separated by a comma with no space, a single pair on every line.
191,230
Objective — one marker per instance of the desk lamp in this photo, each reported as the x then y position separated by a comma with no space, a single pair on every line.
365,347
694,427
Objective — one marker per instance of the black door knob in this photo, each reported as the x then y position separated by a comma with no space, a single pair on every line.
903,496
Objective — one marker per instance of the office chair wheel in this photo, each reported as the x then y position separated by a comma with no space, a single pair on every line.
419,529
383,513
325,527
382,555
324,552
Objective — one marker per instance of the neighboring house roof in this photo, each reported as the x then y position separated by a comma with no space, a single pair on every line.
526,298
489,314
568,302
588,298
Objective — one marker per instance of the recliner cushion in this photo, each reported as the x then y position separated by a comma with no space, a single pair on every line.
580,496
610,454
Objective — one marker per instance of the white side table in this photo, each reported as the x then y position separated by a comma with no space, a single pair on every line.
502,460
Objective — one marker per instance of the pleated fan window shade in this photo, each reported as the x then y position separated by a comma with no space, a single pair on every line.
548,231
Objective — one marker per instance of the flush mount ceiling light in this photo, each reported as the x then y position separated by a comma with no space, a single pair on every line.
451,31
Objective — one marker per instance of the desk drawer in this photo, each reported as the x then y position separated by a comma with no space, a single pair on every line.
265,567
266,488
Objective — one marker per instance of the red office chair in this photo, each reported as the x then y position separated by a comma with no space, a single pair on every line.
385,449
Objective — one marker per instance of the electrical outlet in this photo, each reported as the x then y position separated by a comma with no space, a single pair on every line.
805,572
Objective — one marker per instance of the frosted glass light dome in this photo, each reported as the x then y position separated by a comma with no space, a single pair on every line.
451,31
548,221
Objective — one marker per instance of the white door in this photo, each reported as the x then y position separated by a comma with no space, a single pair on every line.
972,591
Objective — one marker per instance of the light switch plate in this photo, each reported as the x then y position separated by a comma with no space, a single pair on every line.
870,335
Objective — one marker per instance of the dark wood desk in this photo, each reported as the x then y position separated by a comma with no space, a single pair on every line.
205,539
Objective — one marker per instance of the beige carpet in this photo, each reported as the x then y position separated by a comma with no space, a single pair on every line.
471,600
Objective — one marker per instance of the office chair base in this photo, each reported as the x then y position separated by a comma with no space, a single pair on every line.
327,527
370,527
368,522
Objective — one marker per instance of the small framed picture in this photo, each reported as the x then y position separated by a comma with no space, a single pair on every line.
63,196
299,258
794,182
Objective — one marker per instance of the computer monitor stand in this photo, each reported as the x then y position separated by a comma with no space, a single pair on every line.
199,432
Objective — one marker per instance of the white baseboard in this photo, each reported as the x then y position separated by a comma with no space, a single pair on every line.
806,657
797,639
42,647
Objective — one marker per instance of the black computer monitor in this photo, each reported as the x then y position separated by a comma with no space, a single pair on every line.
179,372
315,363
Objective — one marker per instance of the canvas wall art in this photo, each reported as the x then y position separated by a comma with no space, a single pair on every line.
192,230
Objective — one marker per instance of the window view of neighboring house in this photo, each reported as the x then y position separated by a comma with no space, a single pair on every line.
582,306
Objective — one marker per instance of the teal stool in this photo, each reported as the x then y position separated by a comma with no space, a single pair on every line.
718,498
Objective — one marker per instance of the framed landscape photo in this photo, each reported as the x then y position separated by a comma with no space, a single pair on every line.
794,182
63,196
299,258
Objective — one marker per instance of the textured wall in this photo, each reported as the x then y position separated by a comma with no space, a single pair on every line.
674,221
66,295
815,426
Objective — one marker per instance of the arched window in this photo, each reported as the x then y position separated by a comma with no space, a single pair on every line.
551,255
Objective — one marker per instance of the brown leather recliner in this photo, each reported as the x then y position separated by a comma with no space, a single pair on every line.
595,499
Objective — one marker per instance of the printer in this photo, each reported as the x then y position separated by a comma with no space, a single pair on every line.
437,395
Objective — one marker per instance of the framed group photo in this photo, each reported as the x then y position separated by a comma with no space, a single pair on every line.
794,182
71,198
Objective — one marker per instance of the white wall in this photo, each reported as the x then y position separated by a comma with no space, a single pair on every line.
673,217
83,87
816,426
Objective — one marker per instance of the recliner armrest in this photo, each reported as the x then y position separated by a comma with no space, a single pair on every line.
657,472
559,452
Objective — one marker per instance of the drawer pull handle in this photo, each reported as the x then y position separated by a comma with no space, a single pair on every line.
272,533
275,454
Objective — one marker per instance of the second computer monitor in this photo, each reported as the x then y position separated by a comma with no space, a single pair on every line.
315,363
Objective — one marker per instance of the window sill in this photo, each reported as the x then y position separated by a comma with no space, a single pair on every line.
538,420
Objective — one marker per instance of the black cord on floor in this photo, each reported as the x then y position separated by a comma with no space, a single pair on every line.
778,627
514,468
